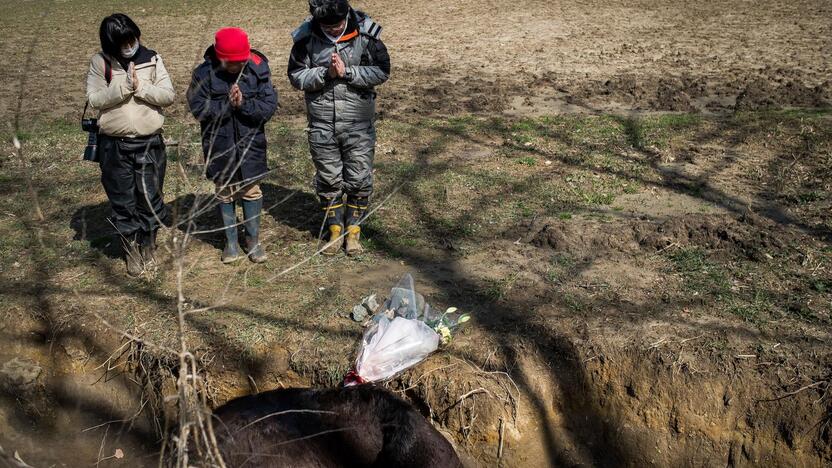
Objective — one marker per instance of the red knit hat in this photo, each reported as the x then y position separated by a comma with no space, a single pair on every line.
231,44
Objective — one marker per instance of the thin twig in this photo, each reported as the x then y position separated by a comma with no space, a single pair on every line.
500,445
463,397
101,447
801,389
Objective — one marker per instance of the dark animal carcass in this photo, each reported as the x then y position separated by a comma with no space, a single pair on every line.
360,426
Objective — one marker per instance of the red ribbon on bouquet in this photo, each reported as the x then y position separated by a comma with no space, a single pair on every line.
352,378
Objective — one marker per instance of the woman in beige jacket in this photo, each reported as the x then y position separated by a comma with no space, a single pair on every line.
129,85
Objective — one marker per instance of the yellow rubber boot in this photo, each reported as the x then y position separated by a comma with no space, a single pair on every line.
353,244
335,242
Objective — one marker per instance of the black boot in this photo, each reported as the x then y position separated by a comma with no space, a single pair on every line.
334,222
132,256
252,210
231,252
147,248
356,207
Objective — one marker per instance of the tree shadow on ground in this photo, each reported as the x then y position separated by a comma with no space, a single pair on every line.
590,426
593,428
57,398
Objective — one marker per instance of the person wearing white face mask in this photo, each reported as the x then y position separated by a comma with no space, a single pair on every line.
129,85
338,60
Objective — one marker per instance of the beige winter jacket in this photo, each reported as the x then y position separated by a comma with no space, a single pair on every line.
125,113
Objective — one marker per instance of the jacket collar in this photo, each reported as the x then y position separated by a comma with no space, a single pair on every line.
143,55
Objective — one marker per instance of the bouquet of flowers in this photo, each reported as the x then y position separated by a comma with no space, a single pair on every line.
444,325
403,332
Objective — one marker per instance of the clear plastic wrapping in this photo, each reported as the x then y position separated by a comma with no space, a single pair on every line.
403,332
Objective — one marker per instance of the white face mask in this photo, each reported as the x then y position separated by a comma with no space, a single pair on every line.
130,51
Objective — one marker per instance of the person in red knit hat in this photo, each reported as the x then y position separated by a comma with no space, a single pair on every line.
232,96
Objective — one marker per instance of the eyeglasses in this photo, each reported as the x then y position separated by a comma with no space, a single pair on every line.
337,27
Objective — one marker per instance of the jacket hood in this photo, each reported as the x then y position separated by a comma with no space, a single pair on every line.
356,19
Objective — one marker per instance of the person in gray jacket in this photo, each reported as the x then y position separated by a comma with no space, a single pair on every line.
338,59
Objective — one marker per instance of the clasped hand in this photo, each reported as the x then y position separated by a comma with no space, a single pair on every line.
337,68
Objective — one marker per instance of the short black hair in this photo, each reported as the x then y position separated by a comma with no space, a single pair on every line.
116,30
329,11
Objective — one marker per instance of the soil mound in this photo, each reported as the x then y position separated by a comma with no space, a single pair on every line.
762,94
747,235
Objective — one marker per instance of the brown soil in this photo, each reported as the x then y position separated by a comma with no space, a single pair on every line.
589,345
714,232
588,56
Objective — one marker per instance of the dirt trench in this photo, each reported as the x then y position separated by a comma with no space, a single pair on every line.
663,407
568,400
573,403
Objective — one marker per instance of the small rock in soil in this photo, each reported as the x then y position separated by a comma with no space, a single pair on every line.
370,303
20,372
359,313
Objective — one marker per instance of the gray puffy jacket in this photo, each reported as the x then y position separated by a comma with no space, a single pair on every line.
349,99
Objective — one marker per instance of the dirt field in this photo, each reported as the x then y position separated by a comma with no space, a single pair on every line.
632,199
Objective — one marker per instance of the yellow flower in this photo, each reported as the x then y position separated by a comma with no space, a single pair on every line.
444,333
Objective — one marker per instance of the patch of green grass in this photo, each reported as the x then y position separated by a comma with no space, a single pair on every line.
700,275
460,125
745,117
399,169
677,121
524,125
598,198
497,289
25,136
630,188
810,197
822,285
527,161
404,241
392,235
574,303
523,210
482,180
599,131
454,228
754,310
644,132
560,266
801,310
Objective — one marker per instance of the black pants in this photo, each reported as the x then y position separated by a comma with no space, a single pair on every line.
133,174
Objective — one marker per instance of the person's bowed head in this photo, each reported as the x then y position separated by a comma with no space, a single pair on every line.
233,50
